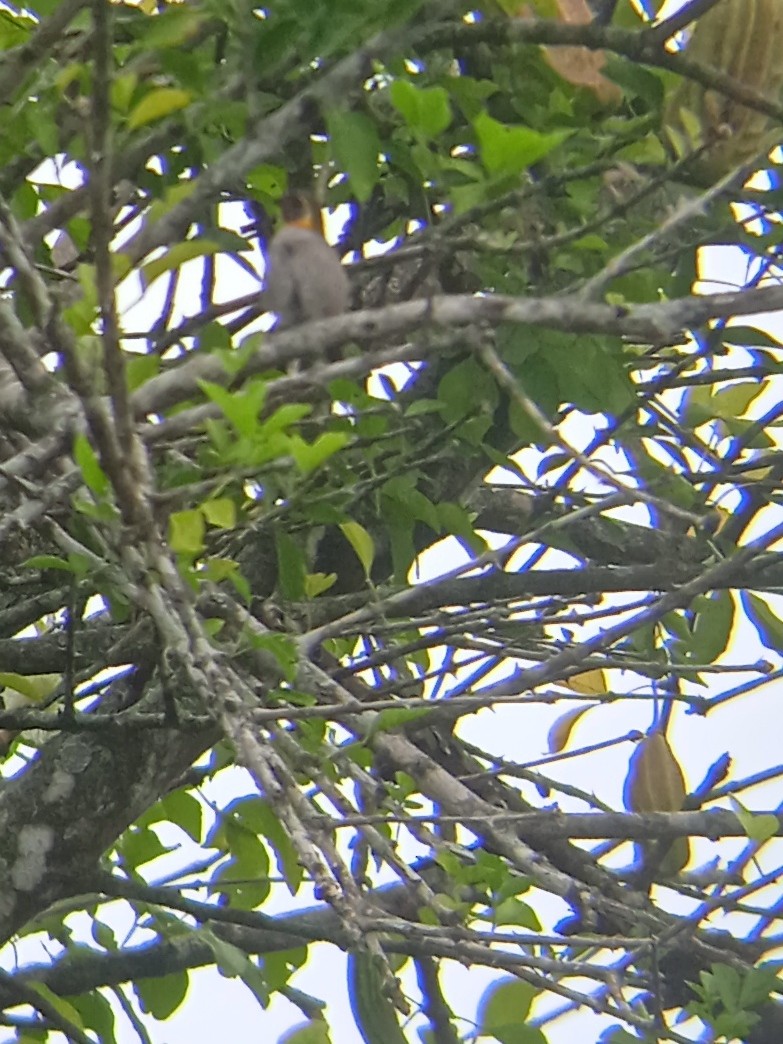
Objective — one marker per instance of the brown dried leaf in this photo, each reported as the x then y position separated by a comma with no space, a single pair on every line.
655,782
578,65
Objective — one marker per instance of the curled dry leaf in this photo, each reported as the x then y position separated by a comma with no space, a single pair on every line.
560,733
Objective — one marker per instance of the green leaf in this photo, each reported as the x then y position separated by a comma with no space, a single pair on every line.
357,147
374,1013
48,562
186,532
87,461
172,26
712,626
317,583
309,456
313,1032
508,150
96,1014
466,388
14,29
234,963
761,616
515,911
60,1004
229,958
283,418
214,337
290,566
217,570
282,647
727,996
279,967
758,983
140,846
160,997
750,336
503,1009
426,110
267,824
32,1036
760,827
186,811
122,90
158,104
389,719
620,1036
244,843
175,257
734,400
170,198
220,512
362,543
238,886
241,409
141,368
34,687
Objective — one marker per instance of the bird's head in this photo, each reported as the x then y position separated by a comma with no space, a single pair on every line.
301,210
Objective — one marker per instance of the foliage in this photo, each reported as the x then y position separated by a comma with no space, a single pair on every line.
260,590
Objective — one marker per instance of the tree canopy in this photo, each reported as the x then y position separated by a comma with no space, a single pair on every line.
286,616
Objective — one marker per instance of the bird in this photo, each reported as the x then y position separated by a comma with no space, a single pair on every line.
304,279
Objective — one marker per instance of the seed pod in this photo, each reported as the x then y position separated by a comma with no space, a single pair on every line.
742,38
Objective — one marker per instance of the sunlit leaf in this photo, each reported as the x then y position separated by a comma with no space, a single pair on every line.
510,150
362,543
426,110
157,104
221,512
589,683
186,532
32,687
758,827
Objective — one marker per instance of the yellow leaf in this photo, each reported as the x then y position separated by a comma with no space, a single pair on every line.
655,783
757,475
589,683
157,104
560,732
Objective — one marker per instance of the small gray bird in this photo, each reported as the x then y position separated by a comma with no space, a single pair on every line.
304,277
